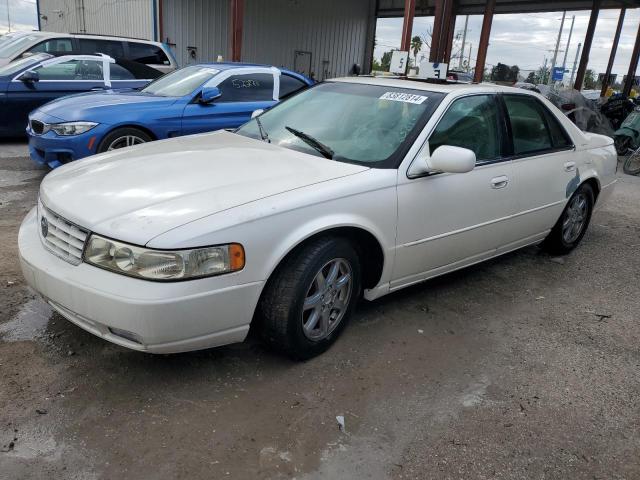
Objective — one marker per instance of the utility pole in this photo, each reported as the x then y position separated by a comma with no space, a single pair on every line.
464,39
575,62
555,53
469,61
544,72
8,17
564,60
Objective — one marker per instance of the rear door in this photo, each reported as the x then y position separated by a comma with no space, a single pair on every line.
545,171
242,92
56,79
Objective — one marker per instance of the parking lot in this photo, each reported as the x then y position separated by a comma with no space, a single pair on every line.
523,367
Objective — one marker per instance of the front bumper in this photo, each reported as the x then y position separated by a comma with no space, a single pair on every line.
162,317
54,150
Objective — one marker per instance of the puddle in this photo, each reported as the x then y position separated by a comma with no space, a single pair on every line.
29,323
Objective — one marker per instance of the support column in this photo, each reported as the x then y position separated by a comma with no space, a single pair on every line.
612,55
633,66
484,40
407,25
237,19
451,31
586,47
442,35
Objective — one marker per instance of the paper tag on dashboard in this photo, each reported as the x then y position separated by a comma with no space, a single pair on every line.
403,97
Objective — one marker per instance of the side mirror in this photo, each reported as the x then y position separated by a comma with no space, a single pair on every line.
445,159
209,94
30,77
257,113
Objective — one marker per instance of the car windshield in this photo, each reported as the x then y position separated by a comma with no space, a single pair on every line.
366,124
181,82
18,65
17,45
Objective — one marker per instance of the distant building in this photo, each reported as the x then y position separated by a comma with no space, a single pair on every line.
320,38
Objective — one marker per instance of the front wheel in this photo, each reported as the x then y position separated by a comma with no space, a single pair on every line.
123,137
310,298
572,224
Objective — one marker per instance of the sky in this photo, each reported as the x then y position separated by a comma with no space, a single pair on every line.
524,39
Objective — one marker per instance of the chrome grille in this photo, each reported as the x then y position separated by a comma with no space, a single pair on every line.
61,237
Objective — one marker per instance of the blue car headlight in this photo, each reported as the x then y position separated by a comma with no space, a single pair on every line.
71,128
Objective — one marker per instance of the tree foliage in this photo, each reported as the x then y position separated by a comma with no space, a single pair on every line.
505,73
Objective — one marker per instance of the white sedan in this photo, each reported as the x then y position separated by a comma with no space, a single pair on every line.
358,186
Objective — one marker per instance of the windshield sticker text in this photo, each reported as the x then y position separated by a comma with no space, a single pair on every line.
403,97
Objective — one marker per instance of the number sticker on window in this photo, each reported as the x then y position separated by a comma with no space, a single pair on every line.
403,97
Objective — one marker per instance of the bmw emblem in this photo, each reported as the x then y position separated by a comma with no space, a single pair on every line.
44,226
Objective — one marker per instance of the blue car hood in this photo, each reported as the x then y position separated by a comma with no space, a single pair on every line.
104,106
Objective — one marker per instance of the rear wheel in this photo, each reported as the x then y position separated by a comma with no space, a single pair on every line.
310,298
573,223
123,137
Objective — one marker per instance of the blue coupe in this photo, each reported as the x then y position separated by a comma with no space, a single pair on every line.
32,81
198,98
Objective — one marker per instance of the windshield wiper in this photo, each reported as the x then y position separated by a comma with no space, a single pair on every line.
263,133
312,142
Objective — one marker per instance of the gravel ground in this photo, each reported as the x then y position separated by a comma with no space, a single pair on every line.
523,367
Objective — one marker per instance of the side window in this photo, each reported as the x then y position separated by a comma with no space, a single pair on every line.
473,123
528,125
290,85
559,136
254,87
55,46
128,70
147,53
120,73
90,46
71,70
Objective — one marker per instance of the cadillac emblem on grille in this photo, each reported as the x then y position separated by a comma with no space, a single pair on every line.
44,227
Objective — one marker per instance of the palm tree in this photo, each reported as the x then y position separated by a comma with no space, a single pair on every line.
416,46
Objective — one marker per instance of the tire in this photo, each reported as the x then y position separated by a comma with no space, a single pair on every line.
134,135
632,163
572,224
293,301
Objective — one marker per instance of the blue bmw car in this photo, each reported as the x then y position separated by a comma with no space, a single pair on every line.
32,81
198,98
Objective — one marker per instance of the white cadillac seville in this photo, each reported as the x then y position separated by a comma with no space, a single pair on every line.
358,186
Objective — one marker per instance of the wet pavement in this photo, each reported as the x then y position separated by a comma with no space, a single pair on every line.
523,367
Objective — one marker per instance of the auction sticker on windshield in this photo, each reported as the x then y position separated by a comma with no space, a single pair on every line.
403,97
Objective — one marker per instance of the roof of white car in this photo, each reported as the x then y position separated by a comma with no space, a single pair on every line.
45,34
428,86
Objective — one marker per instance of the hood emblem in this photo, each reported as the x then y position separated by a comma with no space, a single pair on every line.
44,227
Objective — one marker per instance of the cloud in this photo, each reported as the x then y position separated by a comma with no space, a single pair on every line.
23,15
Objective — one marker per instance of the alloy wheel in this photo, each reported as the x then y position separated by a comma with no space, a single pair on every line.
125,141
575,218
327,299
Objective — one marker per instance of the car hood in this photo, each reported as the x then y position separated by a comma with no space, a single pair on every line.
138,193
103,105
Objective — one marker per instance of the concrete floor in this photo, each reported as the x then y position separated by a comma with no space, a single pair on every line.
523,367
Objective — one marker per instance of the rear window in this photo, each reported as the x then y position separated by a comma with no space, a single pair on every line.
128,70
148,54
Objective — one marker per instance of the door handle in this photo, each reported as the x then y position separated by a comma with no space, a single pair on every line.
569,166
499,182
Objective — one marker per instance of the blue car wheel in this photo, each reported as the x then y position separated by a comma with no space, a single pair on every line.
123,137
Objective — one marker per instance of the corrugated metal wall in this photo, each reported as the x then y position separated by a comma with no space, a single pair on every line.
202,24
333,31
127,18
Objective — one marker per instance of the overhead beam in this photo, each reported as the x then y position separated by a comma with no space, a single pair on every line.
633,66
407,24
481,56
612,55
237,21
586,47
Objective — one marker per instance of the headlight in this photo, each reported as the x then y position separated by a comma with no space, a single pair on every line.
164,265
72,128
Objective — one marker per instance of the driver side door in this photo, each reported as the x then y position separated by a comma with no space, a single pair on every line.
241,94
450,220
